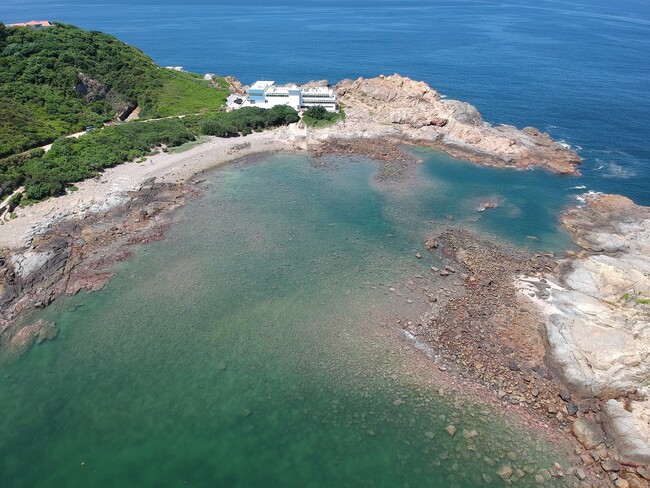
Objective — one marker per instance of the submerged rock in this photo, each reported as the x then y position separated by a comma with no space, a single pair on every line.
25,337
505,471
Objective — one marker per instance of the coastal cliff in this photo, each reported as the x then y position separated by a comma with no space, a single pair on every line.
411,111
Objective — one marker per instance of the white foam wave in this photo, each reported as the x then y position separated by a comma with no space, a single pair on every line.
616,171
582,198
568,146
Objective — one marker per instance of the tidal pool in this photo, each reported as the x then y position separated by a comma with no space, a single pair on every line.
254,345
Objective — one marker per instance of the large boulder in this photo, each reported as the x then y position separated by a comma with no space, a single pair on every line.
630,430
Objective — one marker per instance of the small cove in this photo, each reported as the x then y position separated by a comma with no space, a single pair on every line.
252,346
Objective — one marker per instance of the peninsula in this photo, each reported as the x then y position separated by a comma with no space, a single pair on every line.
579,334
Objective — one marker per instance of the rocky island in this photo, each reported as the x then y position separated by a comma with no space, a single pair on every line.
575,346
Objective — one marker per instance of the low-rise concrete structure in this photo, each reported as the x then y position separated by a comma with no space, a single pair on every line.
266,94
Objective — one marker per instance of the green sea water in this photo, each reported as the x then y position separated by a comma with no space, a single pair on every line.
256,344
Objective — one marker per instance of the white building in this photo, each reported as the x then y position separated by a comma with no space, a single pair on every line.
266,94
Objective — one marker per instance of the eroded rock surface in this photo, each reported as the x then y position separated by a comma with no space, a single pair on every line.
77,254
630,428
598,316
396,106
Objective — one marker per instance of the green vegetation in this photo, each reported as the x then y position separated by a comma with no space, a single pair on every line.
61,79
242,121
318,116
186,93
14,201
182,148
58,80
639,301
71,160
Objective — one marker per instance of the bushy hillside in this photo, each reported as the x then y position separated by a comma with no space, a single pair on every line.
57,80
70,160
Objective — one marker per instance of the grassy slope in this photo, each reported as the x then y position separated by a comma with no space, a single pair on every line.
40,89
186,93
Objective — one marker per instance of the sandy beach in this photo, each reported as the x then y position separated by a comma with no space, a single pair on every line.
100,194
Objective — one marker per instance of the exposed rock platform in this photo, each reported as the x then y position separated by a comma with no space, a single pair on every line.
597,317
411,111
78,254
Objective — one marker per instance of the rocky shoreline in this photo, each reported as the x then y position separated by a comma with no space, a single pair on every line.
506,320
395,165
78,254
489,322
412,112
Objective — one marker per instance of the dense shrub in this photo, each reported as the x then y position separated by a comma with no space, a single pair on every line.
318,116
45,90
72,160
245,120
14,201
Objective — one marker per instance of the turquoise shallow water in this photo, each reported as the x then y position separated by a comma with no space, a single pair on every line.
252,346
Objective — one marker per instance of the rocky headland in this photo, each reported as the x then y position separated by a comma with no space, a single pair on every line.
597,318
410,111
564,337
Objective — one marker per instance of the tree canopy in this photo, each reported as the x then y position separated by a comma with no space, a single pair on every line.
60,79
57,80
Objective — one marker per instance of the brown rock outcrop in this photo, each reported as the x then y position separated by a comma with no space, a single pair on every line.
411,111
91,90
234,85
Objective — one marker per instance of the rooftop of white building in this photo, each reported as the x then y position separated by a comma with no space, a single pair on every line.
284,89
262,85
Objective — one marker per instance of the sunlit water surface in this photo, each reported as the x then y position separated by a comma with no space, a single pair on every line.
254,346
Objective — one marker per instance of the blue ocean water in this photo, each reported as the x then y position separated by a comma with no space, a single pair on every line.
243,350
579,69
